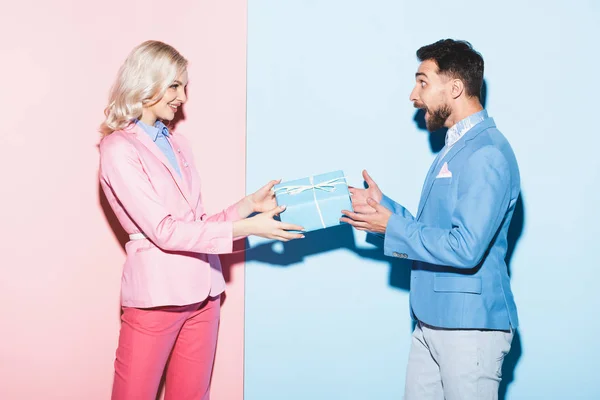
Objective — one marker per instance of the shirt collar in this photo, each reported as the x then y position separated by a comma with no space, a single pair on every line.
153,131
463,126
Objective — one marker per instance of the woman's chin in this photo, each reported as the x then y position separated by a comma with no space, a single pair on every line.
168,116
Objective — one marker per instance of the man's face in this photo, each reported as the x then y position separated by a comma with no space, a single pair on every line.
431,94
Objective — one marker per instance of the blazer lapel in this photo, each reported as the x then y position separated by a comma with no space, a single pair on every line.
458,146
186,171
470,135
153,148
428,184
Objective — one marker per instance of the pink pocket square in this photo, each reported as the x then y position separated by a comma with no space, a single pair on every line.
444,172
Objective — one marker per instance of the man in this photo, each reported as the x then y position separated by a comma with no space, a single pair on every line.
460,292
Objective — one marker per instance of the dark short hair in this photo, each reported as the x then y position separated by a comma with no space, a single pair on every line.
457,59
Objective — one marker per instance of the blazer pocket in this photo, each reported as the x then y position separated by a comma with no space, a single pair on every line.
442,181
457,284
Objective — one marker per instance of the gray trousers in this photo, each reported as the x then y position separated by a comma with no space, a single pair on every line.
453,364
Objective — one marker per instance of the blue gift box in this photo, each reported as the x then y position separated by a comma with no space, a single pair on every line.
314,202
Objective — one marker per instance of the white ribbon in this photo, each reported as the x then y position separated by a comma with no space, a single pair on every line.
327,186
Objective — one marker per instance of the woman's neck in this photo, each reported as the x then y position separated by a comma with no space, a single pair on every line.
149,120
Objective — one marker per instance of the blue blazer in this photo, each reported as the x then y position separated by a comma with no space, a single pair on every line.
458,240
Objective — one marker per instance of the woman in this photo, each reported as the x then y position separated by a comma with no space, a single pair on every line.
172,277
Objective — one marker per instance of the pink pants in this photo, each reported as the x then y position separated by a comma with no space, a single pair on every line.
184,337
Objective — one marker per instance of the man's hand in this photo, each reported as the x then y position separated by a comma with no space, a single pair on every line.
359,196
375,221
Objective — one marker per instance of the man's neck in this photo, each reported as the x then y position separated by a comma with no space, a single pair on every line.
462,112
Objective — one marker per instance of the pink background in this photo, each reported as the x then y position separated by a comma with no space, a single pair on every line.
61,256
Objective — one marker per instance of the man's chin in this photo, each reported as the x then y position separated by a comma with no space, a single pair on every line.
433,128
434,125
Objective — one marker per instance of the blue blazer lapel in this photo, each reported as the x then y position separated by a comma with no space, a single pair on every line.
427,184
471,134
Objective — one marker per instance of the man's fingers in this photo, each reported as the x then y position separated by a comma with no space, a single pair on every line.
363,209
358,201
368,178
377,206
356,224
355,216
358,192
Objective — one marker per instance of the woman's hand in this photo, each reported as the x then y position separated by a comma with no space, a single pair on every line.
264,198
264,225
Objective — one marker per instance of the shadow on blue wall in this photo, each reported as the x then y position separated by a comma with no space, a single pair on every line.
512,358
325,240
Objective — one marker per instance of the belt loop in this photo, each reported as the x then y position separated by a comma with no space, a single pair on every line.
137,236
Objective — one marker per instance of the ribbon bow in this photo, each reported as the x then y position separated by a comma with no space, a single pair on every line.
327,186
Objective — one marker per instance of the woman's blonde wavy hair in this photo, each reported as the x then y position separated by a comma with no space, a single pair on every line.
143,80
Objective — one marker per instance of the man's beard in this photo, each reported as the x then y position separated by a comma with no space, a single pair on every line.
437,118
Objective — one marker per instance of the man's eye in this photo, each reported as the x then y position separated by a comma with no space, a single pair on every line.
423,83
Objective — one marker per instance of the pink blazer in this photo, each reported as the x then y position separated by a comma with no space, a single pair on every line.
178,263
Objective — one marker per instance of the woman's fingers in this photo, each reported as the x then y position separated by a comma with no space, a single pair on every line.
290,227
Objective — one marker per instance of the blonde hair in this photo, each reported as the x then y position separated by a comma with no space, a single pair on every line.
143,79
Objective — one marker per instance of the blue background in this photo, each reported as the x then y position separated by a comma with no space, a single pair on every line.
328,83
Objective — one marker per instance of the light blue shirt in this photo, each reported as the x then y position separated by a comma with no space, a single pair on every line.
459,129
159,134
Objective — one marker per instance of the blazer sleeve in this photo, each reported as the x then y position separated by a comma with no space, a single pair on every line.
229,214
483,199
122,171
394,208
